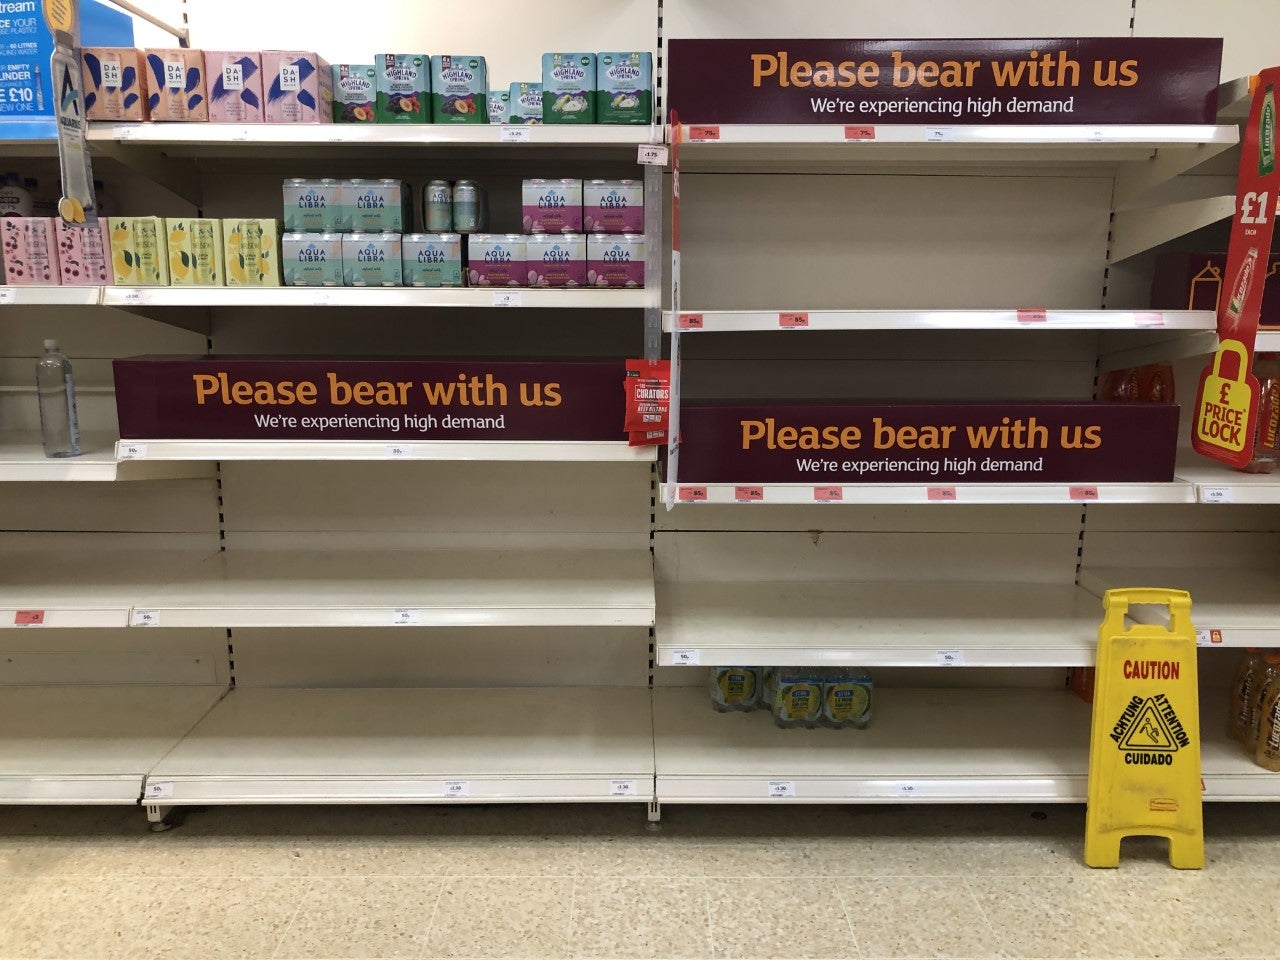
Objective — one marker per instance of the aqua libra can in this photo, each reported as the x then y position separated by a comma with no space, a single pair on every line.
437,207
470,209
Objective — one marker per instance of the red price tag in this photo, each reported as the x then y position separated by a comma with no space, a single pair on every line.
691,321
1215,636
748,494
697,133
1149,318
693,494
828,494
1083,493
1033,316
792,321
942,494
859,133
28,618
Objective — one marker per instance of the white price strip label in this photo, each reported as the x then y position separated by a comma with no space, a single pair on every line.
8,295
145,618
686,658
781,789
950,658
508,298
652,155
398,451
1217,495
457,788
515,133
939,134
907,790
131,297
622,788
158,790
131,451
1208,638
409,617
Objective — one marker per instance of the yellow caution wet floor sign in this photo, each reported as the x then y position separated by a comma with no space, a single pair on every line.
1144,754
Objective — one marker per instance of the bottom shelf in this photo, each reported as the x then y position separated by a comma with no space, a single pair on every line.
83,744
401,745
924,746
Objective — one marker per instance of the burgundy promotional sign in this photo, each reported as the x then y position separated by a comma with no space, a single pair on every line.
1064,80
919,443
280,398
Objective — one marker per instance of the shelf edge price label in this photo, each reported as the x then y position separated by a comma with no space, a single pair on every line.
828,494
652,154
1208,638
1216,495
691,321
145,618
515,133
1082,493
1033,316
457,788
8,295
508,298
28,618
131,297
693,495
131,451
622,788
1148,318
949,658
781,789
750,494
793,321
859,133
939,134
398,451
907,790
704,133
158,790
406,617
941,494
686,658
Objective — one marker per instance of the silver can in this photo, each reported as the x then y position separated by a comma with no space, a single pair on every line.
437,207
470,214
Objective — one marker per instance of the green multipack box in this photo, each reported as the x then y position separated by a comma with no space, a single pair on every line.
404,87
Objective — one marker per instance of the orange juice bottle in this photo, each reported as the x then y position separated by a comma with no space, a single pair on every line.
1247,680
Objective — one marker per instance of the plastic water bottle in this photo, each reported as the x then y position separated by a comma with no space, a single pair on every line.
57,392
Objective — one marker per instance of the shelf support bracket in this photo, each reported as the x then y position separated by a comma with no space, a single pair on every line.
158,817
179,177
1136,231
1133,183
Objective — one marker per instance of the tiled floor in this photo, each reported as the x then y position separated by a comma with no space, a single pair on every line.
479,882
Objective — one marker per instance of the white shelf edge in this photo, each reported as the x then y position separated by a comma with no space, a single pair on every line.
1176,491
68,616
584,451
40,790
1223,485
22,459
934,135
86,296
421,297
375,135
724,321
184,616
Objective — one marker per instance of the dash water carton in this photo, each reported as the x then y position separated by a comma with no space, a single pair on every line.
551,206
311,259
371,260
459,88
496,260
568,88
615,261
499,105
138,254
30,251
354,91
234,78
556,260
114,81
251,252
298,86
432,259
613,206
82,253
195,251
312,206
404,87
175,85
376,206
624,88
524,103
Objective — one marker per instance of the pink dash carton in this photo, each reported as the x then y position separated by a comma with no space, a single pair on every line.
615,260
114,83
234,79
175,85
556,260
30,255
552,206
298,86
496,260
82,253
613,206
